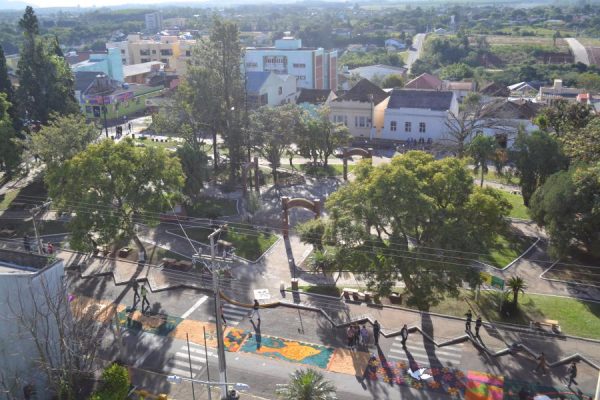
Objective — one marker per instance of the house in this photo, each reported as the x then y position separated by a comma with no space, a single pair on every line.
522,89
494,89
29,283
461,88
140,73
153,21
171,50
315,97
108,63
507,116
116,99
395,44
269,89
377,71
557,91
358,108
425,81
417,114
315,68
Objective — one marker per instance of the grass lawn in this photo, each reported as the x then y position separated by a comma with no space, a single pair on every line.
328,290
7,198
212,207
506,249
321,171
516,200
248,244
576,317
492,176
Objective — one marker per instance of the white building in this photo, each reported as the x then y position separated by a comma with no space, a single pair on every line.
26,282
153,22
314,68
417,114
270,89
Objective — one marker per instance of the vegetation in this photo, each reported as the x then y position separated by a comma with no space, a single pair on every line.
418,203
307,384
115,383
379,56
518,210
9,149
111,187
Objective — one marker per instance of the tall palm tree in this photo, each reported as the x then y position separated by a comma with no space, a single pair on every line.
482,149
515,285
307,385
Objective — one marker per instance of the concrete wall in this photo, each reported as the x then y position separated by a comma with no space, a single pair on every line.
435,124
21,293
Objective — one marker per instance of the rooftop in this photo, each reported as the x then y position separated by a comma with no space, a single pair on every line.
370,71
364,91
20,262
255,79
142,68
425,81
313,96
427,99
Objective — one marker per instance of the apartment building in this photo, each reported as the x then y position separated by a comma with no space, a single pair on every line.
315,68
153,22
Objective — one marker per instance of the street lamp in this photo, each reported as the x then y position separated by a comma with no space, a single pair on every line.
175,379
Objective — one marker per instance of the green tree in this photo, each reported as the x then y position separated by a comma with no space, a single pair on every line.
7,88
319,137
563,117
62,138
386,223
482,149
311,232
567,205
195,167
115,384
516,285
46,82
456,72
555,35
393,81
307,385
583,144
537,156
10,150
273,130
112,187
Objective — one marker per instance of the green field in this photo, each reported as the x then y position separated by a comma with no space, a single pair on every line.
506,249
249,244
493,176
7,198
211,207
516,200
321,171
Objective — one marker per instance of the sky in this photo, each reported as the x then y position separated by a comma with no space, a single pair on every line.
99,3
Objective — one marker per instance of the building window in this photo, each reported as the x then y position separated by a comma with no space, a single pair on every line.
188,53
407,127
302,77
164,60
122,51
280,91
422,127
88,109
153,51
362,121
340,119
393,126
145,52
251,65
124,61
166,52
299,65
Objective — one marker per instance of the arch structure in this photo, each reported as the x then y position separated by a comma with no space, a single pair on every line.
245,168
287,204
353,151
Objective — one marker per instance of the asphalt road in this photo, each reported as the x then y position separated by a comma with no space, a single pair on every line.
413,55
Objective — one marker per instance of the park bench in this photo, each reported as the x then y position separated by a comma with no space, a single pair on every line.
552,323
349,292
124,252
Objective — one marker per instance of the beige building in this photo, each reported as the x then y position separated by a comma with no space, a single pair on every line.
172,51
361,109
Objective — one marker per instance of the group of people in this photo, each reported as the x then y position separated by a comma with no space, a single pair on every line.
357,336
48,249
478,324
136,296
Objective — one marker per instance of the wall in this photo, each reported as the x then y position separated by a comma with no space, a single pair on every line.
435,124
352,111
130,107
254,61
18,355
271,88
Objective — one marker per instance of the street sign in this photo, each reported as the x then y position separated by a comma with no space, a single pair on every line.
262,294
497,283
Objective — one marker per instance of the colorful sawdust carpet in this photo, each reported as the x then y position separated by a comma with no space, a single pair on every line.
159,324
304,353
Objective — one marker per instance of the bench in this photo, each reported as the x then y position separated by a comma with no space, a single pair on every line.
552,323
124,252
349,292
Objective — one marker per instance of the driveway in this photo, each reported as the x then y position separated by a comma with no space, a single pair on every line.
579,51
415,52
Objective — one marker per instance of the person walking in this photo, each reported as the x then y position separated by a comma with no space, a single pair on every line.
478,324
136,295
542,364
129,126
50,248
356,336
144,298
469,316
364,336
350,336
572,371
223,315
254,312
404,335
376,331
26,244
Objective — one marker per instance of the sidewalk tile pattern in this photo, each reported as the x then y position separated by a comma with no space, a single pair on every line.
293,351
482,386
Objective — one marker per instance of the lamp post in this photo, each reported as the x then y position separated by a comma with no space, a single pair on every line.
175,379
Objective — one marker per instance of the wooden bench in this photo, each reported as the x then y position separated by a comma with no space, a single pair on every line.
349,292
124,252
552,323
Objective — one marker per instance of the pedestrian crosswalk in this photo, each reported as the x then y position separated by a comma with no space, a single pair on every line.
233,314
426,354
179,363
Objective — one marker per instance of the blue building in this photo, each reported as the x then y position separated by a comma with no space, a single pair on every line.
107,63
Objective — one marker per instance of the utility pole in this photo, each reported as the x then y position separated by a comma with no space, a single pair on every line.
33,211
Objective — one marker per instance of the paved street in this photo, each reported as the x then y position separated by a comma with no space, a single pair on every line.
413,55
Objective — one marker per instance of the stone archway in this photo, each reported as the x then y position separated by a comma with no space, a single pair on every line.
245,168
353,151
287,204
